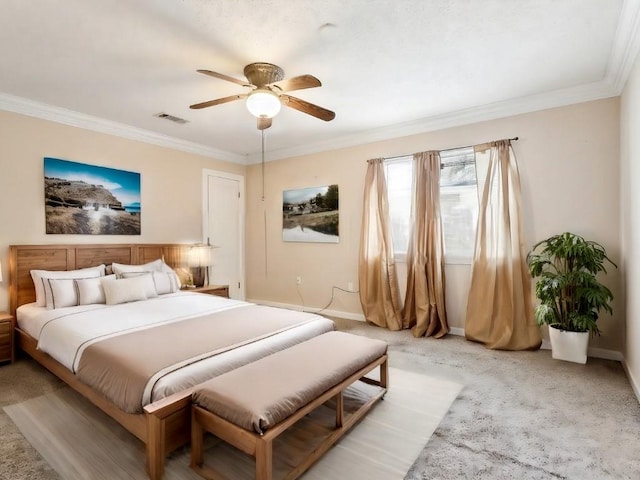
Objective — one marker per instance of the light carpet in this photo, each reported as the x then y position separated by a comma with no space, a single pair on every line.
81,442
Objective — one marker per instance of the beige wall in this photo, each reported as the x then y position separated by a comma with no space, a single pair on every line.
630,215
171,184
569,164
568,160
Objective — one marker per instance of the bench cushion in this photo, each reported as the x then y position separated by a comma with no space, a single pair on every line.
261,394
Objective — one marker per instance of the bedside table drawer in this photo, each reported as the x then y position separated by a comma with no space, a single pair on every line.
5,328
5,347
6,338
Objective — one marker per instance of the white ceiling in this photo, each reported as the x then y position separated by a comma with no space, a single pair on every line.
388,67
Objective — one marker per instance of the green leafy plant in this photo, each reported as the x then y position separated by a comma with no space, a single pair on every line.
571,297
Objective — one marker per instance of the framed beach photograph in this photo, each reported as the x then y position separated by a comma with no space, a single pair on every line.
310,215
90,200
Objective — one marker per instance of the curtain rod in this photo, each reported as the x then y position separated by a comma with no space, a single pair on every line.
514,139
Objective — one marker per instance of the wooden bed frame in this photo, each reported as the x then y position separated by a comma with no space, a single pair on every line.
166,424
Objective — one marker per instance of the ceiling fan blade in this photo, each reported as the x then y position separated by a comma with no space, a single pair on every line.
309,108
218,101
222,76
264,123
297,83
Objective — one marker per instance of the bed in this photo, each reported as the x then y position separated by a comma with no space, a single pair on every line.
92,347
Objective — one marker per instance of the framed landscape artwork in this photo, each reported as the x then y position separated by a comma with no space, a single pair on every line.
90,200
310,215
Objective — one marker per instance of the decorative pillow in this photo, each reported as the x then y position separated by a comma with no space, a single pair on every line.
167,269
62,294
42,286
90,290
120,268
156,266
146,279
125,290
166,282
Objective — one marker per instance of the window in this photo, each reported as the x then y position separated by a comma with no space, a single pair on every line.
458,203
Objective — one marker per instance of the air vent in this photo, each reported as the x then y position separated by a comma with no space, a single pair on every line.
171,118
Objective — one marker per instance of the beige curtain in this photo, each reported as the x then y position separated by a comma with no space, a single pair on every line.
499,308
379,293
424,304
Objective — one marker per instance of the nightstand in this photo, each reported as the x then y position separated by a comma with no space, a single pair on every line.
219,290
7,323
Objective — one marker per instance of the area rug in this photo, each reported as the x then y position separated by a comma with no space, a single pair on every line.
81,442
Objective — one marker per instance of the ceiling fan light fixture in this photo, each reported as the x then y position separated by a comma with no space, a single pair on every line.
263,103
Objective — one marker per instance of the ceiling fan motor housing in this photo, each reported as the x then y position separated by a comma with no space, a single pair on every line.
261,74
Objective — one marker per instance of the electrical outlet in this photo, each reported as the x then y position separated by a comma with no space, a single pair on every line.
298,280
350,286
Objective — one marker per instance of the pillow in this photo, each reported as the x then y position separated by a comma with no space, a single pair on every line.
42,286
156,266
90,290
147,280
120,268
62,294
166,282
125,290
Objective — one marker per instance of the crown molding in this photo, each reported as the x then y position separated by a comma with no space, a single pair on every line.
493,111
626,45
45,111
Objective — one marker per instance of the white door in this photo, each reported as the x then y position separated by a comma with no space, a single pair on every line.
224,229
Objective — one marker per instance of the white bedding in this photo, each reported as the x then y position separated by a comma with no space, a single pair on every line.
63,332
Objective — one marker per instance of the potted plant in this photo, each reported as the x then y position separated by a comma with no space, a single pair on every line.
570,295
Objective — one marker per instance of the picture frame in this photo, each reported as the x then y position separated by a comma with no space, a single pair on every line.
83,199
311,214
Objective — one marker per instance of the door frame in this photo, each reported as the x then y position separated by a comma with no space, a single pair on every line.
206,173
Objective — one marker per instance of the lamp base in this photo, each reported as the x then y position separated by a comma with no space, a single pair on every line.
199,275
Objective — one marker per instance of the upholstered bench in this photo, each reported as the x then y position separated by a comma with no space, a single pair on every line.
250,406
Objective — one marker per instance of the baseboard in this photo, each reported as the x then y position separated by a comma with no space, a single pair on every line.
299,308
632,380
456,331
593,352
333,313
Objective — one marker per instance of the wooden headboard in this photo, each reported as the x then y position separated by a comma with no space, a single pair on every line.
24,258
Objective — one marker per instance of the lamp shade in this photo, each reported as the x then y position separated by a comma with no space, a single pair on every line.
263,103
199,256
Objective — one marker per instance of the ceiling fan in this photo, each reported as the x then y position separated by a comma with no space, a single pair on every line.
268,93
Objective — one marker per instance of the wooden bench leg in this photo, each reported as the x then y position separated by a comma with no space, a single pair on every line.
339,410
264,459
197,438
384,374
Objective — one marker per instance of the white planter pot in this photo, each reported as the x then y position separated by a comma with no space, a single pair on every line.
569,346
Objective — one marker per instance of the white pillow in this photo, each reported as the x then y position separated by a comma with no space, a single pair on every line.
120,268
42,286
90,290
147,279
166,282
62,294
156,266
125,290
